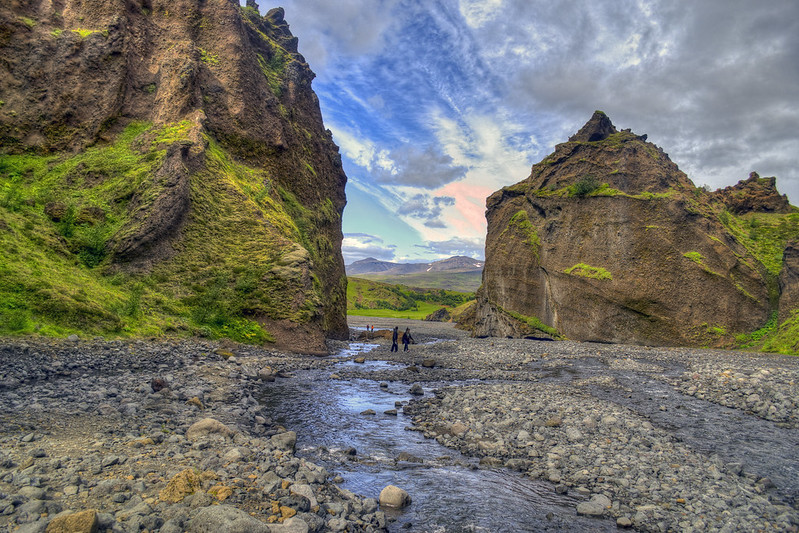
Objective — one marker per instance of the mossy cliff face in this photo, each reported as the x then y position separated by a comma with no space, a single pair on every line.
608,241
191,131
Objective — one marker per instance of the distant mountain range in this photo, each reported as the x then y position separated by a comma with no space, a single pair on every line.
370,265
455,273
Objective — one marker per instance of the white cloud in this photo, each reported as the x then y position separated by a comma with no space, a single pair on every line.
357,246
478,12
330,30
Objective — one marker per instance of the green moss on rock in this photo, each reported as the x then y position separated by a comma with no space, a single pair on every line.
587,271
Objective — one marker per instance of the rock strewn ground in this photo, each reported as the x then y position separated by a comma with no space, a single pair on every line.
562,434
81,429
543,408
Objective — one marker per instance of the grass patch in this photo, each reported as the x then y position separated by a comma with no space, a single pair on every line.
83,33
208,58
371,298
273,68
587,271
783,339
756,338
534,323
764,235
584,186
451,281
419,313
521,223
699,259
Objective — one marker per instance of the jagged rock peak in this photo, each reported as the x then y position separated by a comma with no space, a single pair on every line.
754,194
276,16
597,128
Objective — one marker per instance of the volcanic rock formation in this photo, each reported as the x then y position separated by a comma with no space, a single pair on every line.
243,188
608,241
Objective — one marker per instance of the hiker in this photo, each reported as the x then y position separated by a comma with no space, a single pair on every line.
406,339
394,346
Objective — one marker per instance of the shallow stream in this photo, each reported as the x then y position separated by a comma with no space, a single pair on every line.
450,494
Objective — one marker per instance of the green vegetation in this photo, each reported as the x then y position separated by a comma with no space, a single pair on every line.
756,338
696,257
534,323
370,298
57,32
584,186
451,281
208,58
521,223
699,259
29,22
764,235
588,271
784,339
250,12
61,217
274,70
419,313
85,33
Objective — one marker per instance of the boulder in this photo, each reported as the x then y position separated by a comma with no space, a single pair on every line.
290,525
305,491
285,441
158,384
80,522
394,497
457,429
225,519
206,427
596,506
440,315
181,485
267,374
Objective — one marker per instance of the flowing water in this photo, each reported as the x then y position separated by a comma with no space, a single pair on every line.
450,494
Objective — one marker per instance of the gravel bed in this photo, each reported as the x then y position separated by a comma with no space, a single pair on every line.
637,472
158,437
168,436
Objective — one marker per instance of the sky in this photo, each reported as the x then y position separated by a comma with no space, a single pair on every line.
437,104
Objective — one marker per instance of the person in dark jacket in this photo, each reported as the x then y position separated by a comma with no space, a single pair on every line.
406,339
394,334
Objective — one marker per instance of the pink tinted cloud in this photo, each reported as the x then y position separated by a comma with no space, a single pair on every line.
470,204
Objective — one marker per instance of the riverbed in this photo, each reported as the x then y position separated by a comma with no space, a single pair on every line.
668,438
484,434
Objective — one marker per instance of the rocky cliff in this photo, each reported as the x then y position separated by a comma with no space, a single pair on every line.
167,163
608,241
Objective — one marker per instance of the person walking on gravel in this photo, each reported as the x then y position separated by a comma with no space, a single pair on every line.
394,335
406,339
